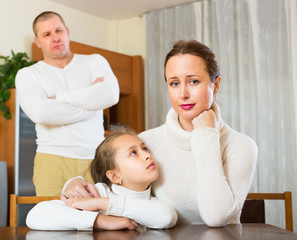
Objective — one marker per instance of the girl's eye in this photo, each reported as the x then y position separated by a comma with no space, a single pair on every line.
133,153
145,149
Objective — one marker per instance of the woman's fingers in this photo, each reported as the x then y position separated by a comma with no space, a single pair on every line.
79,188
92,190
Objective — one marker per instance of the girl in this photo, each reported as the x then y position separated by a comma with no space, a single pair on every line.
124,169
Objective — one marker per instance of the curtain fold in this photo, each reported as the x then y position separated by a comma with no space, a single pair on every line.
256,46
164,27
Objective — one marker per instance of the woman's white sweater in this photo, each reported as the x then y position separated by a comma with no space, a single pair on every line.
204,174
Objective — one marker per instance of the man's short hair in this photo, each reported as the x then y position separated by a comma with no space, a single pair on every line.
44,16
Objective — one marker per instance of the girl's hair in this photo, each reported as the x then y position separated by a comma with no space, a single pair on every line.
197,49
104,157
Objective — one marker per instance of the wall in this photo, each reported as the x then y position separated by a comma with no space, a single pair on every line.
128,36
16,28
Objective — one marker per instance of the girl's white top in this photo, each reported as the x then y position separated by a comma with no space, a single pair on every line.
142,207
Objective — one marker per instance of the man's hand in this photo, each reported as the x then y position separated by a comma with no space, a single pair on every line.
88,204
114,223
79,188
100,79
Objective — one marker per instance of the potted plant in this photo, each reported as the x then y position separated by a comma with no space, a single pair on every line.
9,67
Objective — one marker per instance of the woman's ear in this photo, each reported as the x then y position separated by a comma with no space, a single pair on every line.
216,86
114,177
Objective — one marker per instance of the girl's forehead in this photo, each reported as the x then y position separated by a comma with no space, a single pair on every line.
126,139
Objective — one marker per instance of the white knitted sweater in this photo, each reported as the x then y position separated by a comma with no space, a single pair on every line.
72,124
204,174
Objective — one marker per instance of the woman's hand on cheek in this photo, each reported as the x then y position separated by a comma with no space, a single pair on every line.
206,119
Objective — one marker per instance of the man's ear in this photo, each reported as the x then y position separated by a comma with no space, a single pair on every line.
114,176
36,42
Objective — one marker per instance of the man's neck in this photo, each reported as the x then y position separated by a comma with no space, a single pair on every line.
59,62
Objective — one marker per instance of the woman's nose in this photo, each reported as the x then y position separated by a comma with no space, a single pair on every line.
184,92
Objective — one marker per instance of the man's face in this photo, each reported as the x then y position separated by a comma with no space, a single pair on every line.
53,38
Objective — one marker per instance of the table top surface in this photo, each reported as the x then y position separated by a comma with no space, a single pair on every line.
188,232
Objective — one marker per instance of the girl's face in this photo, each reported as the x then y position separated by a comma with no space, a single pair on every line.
189,86
135,166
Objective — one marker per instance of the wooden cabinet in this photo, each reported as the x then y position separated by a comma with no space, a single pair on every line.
7,139
129,72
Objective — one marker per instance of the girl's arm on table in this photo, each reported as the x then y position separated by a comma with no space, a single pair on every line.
54,215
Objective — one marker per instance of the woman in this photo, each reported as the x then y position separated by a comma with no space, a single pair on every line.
206,168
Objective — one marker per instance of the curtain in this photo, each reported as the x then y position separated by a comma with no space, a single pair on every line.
163,29
256,46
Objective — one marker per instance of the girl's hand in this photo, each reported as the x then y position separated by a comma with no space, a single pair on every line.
88,204
206,119
114,223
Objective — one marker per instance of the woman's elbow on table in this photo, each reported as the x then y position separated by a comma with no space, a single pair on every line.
215,223
214,220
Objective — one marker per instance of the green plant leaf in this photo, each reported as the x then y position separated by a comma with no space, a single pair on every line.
5,111
9,66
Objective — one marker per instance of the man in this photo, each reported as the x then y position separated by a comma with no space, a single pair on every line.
64,95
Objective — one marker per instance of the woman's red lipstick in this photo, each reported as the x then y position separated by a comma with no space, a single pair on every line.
187,106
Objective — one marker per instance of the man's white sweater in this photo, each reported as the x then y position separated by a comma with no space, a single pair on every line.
72,124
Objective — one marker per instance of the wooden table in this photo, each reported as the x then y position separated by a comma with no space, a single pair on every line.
189,232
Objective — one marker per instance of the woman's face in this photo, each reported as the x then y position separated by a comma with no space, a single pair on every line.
189,86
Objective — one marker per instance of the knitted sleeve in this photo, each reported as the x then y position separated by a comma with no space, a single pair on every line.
151,213
100,95
223,178
41,109
55,215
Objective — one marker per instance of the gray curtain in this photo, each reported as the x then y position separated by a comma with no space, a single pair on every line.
255,43
164,28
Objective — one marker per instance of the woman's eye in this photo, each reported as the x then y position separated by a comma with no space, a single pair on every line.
194,81
174,84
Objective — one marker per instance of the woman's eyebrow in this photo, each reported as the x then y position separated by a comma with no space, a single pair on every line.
193,75
172,78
